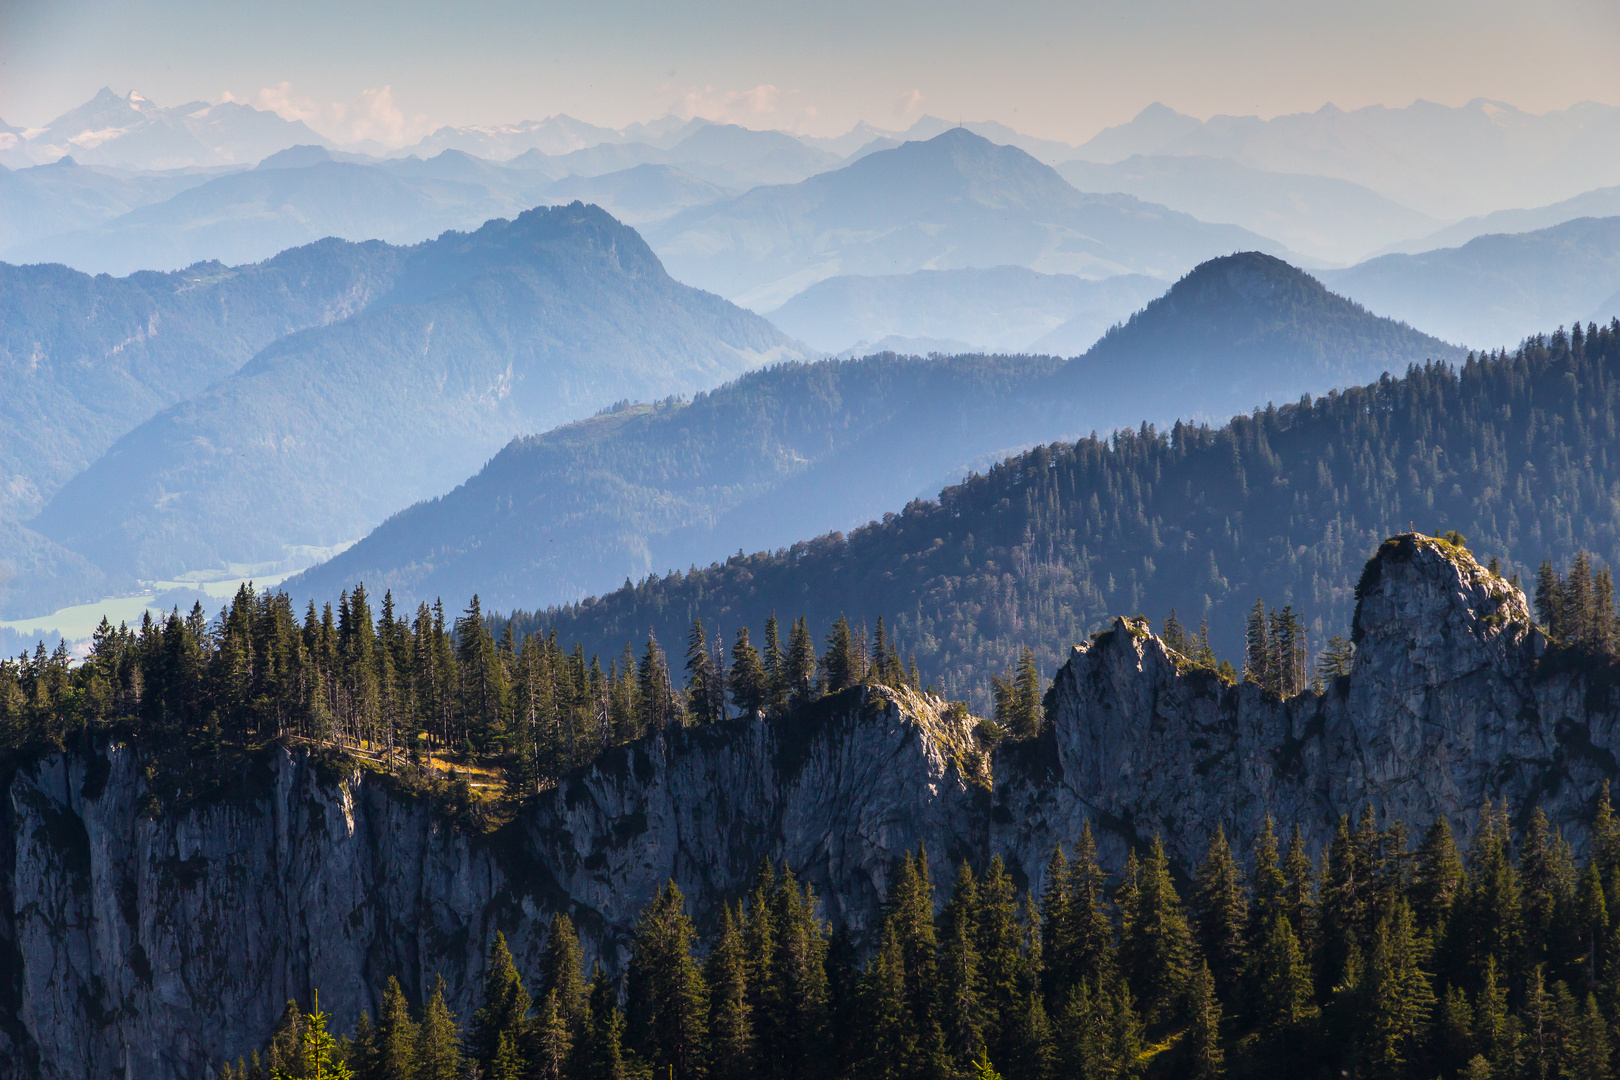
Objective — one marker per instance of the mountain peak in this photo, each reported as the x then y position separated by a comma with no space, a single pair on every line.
1247,328
296,157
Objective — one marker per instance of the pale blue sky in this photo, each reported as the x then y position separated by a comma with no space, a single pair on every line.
1060,70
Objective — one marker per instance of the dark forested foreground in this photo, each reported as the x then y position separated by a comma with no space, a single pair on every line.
1514,450
1377,960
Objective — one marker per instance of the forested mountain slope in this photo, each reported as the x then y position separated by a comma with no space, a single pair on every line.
952,202
519,326
779,454
795,451
1285,505
84,359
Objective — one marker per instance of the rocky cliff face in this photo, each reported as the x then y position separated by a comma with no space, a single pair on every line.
140,941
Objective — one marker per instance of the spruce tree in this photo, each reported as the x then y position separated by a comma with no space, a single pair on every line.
1221,912
561,973
1400,996
1001,961
1283,988
1206,1060
801,663
438,1045
1026,719
1258,650
395,1055
962,1007
730,1030
1156,946
700,706
839,661
750,690
668,1003
776,668
602,1055
503,1019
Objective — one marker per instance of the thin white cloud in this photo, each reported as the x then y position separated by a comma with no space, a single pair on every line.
374,115
765,105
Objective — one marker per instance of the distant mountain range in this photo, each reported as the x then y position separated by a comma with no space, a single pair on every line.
117,223
1326,218
797,450
131,132
955,201
517,327
1601,202
1006,309
1448,162
1495,290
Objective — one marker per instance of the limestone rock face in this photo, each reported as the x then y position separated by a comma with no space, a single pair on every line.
146,941
161,947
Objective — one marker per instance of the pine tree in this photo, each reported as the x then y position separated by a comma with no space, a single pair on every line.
750,689
1400,995
395,1054
502,1020
560,974
962,1008
1205,1057
1156,944
702,708
438,1046
730,1029
801,663
839,661
1221,912
668,1003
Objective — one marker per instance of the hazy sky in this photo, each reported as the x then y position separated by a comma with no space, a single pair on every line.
362,68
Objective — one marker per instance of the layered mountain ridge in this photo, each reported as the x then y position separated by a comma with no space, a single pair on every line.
480,337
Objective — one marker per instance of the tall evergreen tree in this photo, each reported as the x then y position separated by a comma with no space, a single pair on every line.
668,1003
1156,945
501,1024
750,688
1221,912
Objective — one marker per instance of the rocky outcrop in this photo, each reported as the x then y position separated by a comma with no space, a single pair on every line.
1448,704
139,940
